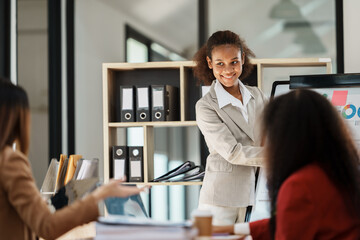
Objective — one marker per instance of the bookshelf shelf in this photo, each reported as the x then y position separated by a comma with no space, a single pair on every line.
154,124
164,183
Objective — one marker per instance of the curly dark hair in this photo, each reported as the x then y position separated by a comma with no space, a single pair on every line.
202,71
307,118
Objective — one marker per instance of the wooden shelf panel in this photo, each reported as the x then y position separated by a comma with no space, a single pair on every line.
147,65
163,183
262,61
291,61
153,124
289,65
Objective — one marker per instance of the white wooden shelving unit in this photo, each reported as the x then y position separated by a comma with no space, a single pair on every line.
173,73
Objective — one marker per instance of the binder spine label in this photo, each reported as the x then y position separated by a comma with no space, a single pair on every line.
136,168
127,96
120,162
143,104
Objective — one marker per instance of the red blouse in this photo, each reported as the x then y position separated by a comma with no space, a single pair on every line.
309,207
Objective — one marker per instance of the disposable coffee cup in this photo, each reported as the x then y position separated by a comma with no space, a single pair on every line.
203,222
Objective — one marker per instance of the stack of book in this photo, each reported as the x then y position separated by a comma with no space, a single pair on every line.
127,219
69,179
121,227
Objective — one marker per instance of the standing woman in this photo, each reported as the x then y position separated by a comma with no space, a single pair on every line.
227,117
24,214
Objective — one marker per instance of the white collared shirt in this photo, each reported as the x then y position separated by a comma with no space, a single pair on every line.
225,98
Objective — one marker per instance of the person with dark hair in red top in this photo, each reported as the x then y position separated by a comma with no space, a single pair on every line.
313,172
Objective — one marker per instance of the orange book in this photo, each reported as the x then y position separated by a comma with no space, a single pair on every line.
73,159
58,176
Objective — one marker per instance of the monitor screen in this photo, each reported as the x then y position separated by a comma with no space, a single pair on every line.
342,90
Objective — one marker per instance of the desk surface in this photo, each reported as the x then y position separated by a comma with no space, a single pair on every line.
84,232
88,232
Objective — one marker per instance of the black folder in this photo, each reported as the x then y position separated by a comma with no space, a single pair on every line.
199,176
143,104
120,162
136,164
165,103
183,168
194,173
127,97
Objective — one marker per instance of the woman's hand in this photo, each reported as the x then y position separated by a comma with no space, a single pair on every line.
229,229
223,229
115,189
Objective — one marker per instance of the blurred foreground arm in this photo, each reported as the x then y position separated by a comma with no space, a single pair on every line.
115,189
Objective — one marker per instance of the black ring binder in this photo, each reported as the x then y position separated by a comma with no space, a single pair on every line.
186,166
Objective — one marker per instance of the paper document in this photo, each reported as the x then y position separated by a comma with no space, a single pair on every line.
48,186
134,232
125,220
87,169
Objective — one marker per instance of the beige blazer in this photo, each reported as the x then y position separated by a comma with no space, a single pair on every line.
24,214
234,147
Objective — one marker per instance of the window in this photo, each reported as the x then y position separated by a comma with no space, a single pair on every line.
280,29
140,48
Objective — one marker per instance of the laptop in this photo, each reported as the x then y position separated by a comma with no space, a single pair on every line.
131,211
132,206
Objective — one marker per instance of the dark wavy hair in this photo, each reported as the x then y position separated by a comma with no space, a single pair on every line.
303,127
14,116
202,71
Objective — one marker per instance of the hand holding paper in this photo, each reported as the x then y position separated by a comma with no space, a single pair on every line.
115,189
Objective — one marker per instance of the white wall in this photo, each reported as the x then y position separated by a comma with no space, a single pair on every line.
351,36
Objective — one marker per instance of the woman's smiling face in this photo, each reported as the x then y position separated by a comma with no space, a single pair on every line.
226,64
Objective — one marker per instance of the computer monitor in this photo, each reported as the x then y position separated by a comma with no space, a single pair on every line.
280,87
347,80
342,90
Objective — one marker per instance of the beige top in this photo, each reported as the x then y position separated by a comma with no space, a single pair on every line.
234,147
24,213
